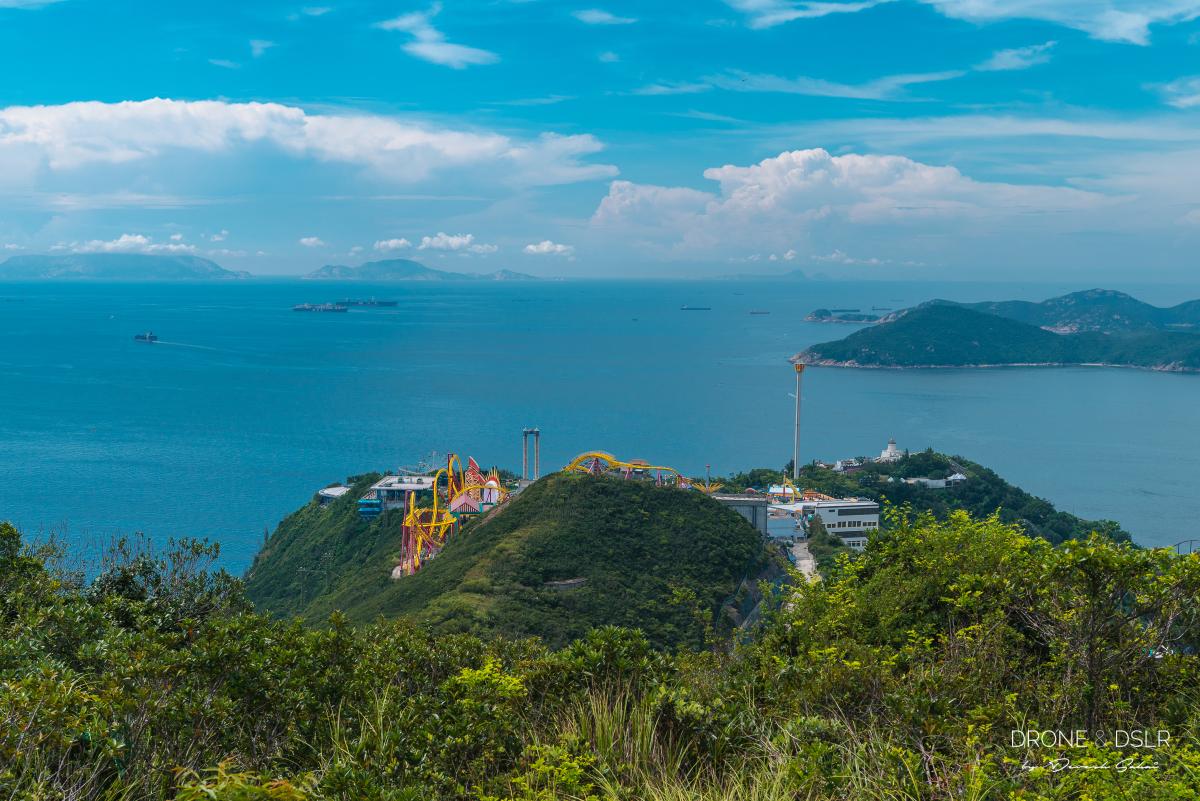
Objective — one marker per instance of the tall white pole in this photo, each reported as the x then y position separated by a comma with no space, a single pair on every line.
796,442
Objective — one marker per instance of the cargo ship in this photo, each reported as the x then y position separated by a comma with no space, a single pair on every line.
695,308
148,336
320,307
368,302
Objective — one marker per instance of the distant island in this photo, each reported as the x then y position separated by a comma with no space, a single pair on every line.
406,270
115,267
1093,328
835,316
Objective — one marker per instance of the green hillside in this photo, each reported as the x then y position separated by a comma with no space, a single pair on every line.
642,552
1102,310
946,335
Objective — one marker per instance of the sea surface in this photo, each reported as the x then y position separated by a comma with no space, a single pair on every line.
245,408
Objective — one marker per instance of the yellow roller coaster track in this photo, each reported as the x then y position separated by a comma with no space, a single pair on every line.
584,461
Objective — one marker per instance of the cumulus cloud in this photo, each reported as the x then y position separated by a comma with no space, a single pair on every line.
1182,92
128,243
800,192
549,248
597,16
219,236
429,44
312,242
1017,58
260,46
385,245
79,134
1111,20
462,243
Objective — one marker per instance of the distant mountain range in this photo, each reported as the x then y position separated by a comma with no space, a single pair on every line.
114,267
1097,327
406,270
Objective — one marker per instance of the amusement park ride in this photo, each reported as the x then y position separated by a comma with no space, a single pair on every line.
456,493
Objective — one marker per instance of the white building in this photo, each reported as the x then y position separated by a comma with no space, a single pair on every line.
851,519
330,494
891,453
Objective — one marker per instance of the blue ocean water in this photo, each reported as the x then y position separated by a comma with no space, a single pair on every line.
245,408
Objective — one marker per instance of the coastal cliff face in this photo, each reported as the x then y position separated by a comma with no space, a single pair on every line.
949,335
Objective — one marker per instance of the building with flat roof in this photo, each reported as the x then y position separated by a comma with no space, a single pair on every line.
330,494
391,492
851,519
752,506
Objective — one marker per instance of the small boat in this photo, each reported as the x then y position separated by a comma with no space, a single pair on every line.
685,307
758,311
320,307
368,302
148,336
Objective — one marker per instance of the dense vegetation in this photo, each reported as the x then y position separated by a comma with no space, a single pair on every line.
901,676
946,335
984,493
654,557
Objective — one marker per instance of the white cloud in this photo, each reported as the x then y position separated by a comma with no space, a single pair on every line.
26,3
312,242
802,192
460,243
1182,92
840,257
1018,58
548,248
78,134
608,57
315,11
225,63
596,16
260,46
127,243
12,246
392,244
1111,20
220,236
430,44
891,87
769,13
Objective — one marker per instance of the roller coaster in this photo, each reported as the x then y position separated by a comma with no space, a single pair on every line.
598,463
457,492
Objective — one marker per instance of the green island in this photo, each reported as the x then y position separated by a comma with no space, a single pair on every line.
597,638
943,334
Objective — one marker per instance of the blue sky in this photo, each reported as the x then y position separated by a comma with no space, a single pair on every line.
902,138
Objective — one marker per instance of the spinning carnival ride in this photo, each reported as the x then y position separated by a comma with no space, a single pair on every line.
456,493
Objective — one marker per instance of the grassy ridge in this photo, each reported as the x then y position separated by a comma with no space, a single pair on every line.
650,558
